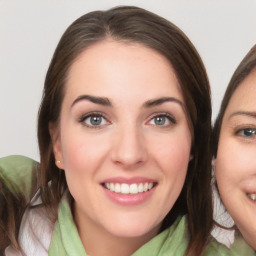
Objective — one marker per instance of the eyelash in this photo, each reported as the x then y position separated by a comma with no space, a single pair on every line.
169,117
247,129
83,119
91,115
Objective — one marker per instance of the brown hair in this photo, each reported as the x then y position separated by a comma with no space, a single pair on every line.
137,25
243,70
11,210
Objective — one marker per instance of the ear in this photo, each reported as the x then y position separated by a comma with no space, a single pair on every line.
56,144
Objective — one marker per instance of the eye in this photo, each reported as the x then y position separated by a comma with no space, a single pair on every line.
94,120
248,132
162,120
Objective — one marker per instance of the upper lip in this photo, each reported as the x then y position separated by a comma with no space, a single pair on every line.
248,186
251,193
129,180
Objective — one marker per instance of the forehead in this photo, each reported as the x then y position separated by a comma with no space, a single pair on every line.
114,65
244,97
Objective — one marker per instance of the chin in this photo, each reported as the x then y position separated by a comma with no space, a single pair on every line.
135,229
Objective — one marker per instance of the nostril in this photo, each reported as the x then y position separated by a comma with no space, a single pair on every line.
127,163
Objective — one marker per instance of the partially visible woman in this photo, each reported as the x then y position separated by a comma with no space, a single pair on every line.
18,183
234,147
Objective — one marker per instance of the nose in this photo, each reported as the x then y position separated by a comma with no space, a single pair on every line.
129,148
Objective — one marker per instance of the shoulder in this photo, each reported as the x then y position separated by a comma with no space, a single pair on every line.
215,248
18,174
240,247
13,161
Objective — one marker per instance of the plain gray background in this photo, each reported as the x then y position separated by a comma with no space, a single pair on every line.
222,30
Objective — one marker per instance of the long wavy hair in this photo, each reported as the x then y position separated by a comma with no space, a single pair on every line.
137,25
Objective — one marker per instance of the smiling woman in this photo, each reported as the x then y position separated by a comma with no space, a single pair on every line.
124,132
110,147
235,148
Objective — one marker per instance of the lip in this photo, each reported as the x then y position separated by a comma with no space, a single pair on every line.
249,191
129,199
253,201
128,180
248,185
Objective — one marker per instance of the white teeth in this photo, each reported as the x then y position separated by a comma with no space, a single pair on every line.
129,189
252,196
140,188
112,187
133,189
117,188
124,188
145,187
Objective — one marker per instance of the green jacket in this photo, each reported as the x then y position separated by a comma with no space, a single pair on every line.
18,174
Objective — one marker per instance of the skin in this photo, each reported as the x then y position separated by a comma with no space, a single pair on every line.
236,158
128,143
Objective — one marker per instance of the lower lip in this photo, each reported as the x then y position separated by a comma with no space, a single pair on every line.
129,199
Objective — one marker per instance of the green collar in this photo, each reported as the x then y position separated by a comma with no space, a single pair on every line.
172,241
66,241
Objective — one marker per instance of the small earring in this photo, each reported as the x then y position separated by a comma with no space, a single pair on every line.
57,162
191,157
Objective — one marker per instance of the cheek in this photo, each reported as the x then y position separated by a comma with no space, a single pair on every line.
226,166
172,152
235,162
172,159
82,151
83,157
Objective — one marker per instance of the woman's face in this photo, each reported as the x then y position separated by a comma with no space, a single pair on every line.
123,139
236,158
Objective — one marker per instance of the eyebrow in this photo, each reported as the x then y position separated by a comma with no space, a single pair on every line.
159,101
97,100
243,113
106,102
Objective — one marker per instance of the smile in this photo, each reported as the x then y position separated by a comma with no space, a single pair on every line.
123,188
252,196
